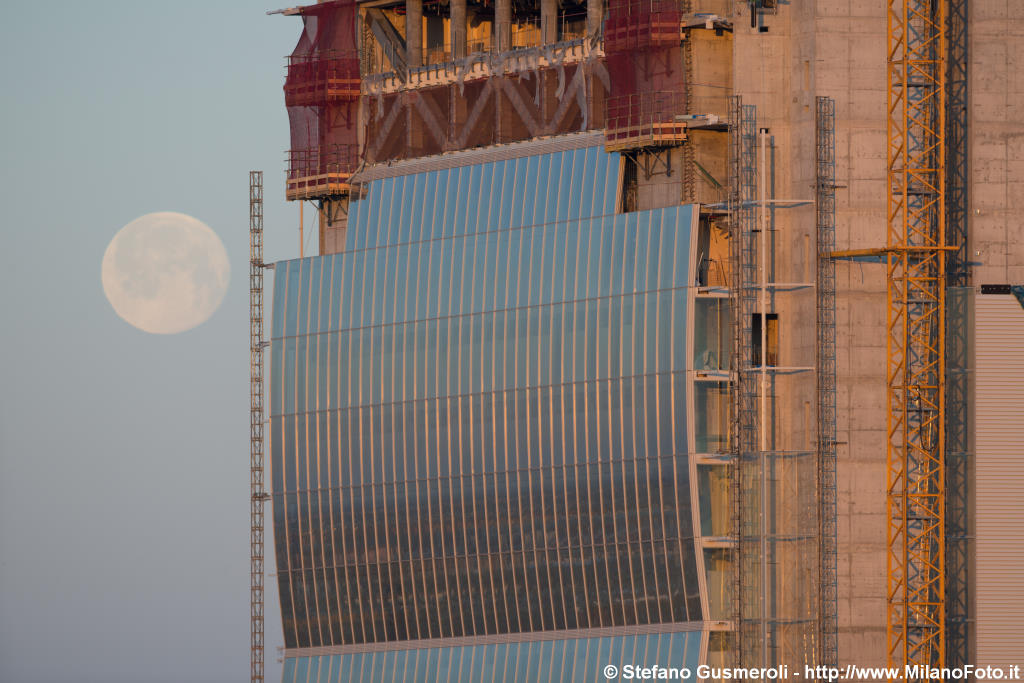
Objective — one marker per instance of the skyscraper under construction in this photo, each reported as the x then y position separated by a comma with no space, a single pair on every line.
647,333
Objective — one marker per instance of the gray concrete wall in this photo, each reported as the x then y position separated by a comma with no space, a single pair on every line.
850,66
769,73
996,135
835,48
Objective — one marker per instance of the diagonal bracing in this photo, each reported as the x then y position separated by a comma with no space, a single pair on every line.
916,286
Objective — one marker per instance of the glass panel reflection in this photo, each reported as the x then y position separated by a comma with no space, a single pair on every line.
581,660
712,334
713,486
478,421
718,564
711,411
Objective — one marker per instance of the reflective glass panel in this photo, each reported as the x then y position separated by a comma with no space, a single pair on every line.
479,420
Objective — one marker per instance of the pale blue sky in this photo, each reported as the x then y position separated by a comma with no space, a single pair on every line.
124,455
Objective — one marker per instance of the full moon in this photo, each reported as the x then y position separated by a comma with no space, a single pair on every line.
165,272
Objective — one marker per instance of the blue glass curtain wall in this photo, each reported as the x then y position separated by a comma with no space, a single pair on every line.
500,195
478,420
580,660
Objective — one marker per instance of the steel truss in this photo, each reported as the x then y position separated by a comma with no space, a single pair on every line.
958,450
689,193
777,606
916,285
744,445
257,496
825,363
751,620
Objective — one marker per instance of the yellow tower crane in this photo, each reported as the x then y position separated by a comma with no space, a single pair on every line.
916,283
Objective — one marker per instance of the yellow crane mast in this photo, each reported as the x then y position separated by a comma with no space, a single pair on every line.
916,283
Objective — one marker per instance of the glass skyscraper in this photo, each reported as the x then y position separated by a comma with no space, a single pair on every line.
493,418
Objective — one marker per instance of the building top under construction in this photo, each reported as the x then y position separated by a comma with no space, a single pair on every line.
364,87
827,399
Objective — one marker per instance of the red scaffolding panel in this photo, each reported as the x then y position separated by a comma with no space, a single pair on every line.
640,24
645,65
322,93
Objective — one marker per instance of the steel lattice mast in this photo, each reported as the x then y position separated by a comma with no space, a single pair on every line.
825,362
256,493
916,284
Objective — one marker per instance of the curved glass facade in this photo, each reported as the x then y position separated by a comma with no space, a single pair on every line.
581,660
479,416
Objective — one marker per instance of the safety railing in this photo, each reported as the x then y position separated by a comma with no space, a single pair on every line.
645,119
322,77
321,171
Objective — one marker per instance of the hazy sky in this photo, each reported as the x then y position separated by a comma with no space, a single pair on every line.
124,455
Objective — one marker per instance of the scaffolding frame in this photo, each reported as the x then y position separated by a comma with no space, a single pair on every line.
689,192
958,451
957,70
257,496
742,189
775,514
916,319
825,363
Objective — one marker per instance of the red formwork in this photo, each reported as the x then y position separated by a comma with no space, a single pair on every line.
645,96
641,24
318,79
642,43
322,91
